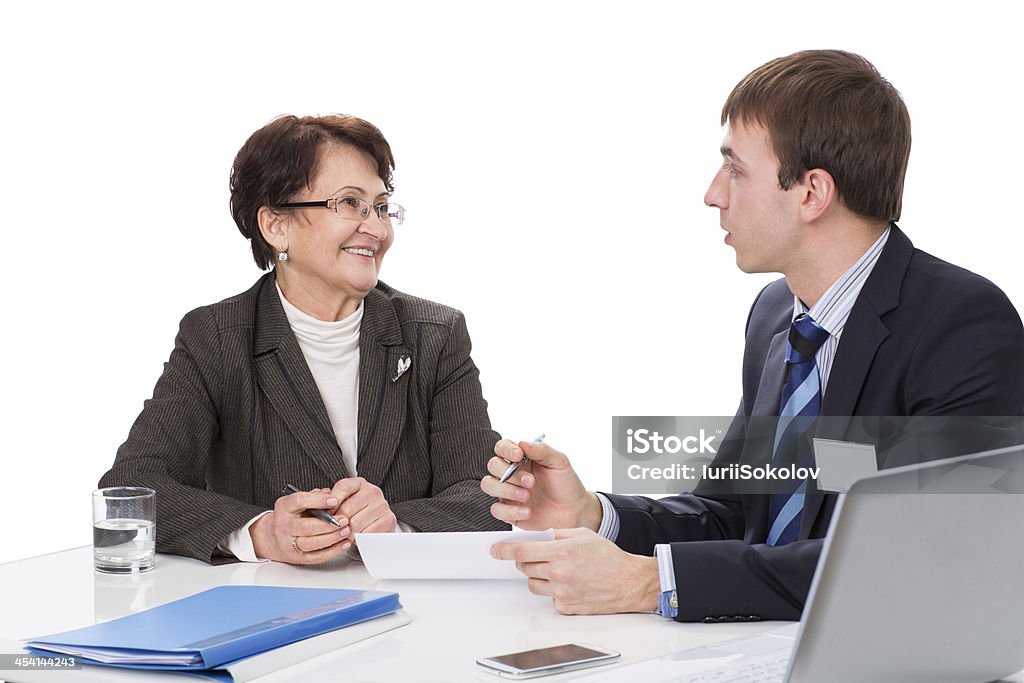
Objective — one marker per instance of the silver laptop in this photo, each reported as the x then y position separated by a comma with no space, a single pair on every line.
921,578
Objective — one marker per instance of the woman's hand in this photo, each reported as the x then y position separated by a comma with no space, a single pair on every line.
286,534
364,506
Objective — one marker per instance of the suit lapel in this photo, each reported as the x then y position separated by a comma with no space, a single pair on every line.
863,333
383,386
283,376
769,389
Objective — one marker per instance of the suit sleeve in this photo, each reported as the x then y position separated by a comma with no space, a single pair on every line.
718,576
170,448
644,522
461,442
735,581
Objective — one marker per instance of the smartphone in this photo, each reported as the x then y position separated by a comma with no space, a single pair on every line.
547,660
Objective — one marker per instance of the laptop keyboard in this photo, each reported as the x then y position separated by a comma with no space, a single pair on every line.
769,668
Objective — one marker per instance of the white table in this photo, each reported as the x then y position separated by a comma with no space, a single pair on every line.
454,622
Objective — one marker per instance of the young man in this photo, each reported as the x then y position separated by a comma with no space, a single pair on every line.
862,324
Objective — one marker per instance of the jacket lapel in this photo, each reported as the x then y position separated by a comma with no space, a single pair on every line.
285,379
863,333
383,386
769,389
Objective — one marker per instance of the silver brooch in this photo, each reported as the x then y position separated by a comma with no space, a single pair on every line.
404,363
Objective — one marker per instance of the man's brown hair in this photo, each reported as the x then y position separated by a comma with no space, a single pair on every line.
832,110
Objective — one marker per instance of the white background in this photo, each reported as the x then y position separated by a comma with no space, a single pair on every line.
553,157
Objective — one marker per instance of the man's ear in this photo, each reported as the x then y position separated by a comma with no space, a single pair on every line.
818,194
274,227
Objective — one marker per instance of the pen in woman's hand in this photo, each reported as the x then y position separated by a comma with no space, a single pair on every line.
319,514
514,467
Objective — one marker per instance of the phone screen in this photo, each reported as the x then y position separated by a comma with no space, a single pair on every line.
549,656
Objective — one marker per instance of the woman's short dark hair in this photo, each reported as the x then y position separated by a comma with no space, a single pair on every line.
831,109
283,156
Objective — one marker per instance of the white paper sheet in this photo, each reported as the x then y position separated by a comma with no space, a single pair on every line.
450,555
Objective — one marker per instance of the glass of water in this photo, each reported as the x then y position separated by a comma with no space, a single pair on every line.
124,529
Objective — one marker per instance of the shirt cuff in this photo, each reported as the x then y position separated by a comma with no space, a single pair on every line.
609,527
239,543
668,601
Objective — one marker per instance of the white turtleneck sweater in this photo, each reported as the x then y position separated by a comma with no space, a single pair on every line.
331,350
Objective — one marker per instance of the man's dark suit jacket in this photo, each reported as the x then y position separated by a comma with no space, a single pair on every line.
923,338
237,414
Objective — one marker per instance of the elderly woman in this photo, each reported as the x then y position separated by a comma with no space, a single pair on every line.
319,376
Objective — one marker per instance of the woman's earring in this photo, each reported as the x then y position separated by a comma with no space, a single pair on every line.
282,256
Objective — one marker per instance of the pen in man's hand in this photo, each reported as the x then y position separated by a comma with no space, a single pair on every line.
319,514
514,467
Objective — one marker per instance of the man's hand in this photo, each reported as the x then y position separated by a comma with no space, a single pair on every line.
585,573
287,535
545,493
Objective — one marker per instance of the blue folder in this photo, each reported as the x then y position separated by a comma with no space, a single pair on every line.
217,626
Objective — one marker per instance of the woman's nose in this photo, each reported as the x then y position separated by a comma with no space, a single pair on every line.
374,227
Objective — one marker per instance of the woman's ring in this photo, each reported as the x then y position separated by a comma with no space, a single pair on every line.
295,545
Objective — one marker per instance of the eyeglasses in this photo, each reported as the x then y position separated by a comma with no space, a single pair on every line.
356,208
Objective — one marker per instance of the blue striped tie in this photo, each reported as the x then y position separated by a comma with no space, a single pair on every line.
801,405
